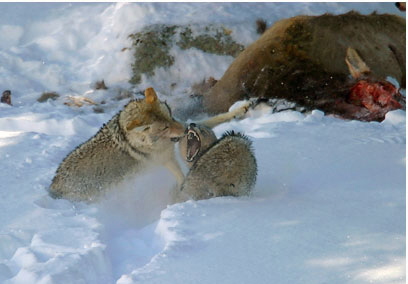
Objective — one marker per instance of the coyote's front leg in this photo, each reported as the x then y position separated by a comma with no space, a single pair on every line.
224,117
175,169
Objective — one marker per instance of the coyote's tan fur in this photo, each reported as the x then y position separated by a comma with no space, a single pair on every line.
139,136
226,167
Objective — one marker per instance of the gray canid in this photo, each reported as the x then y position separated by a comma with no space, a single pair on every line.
224,167
137,137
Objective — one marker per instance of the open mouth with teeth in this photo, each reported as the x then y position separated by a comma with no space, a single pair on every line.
193,145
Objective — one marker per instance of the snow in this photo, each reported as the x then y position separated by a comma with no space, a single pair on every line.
328,205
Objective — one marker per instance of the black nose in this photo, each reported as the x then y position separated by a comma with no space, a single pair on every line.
193,125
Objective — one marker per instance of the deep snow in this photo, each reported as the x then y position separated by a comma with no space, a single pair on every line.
328,206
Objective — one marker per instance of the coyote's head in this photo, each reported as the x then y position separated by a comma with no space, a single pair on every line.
198,138
149,120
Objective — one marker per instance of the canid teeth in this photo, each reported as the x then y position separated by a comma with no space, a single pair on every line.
194,133
190,157
193,144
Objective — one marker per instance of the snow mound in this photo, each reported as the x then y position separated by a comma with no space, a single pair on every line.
396,117
314,174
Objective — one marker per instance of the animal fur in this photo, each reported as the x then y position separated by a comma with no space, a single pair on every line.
301,60
140,136
197,139
137,137
227,168
199,136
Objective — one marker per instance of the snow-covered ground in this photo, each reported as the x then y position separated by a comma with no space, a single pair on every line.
328,206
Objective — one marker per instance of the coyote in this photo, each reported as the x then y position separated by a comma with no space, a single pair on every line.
143,134
199,135
198,138
137,136
218,167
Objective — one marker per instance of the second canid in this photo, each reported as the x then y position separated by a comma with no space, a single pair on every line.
142,135
223,167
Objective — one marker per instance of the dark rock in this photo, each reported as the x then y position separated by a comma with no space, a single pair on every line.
47,95
6,97
402,6
260,26
100,85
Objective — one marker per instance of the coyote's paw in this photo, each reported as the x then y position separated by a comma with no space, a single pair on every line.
242,109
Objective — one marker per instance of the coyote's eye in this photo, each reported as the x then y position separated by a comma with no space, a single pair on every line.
146,128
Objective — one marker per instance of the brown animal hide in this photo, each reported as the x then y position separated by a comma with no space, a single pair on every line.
302,60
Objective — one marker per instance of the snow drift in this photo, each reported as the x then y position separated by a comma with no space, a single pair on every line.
328,206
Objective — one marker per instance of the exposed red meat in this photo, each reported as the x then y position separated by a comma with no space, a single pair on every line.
377,97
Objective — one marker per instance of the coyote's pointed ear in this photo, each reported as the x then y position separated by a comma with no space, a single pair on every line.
356,65
150,96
